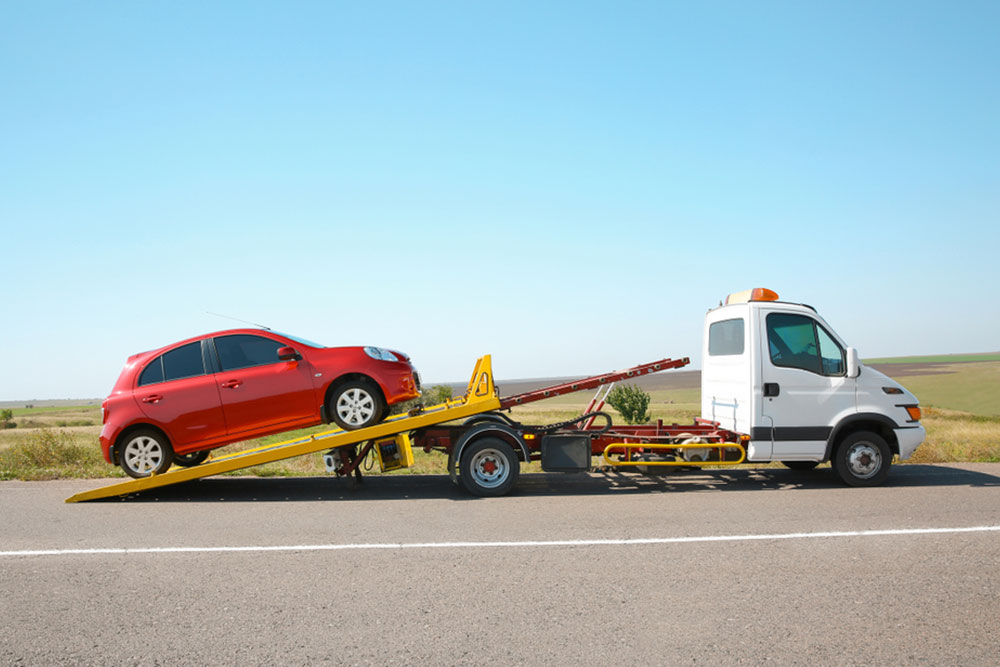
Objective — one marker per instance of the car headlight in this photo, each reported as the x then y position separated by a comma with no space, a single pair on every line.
381,354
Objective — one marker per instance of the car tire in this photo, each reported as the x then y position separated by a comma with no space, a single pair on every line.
800,465
144,453
489,467
191,459
863,459
356,404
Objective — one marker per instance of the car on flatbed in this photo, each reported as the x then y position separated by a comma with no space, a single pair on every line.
176,403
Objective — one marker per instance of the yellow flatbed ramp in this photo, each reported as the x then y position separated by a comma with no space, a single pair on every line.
481,396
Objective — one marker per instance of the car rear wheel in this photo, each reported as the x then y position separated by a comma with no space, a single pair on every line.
191,459
356,404
145,453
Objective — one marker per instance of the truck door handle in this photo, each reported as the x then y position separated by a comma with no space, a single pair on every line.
771,389
232,384
152,398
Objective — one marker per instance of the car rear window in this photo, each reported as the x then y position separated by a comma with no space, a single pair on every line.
184,362
153,373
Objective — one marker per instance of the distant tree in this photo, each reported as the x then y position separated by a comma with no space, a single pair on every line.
631,402
5,419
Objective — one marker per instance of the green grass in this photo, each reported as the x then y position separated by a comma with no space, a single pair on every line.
938,359
973,388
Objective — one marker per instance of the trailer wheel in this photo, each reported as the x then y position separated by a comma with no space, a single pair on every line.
800,465
356,404
192,459
489,467
863,459
145,453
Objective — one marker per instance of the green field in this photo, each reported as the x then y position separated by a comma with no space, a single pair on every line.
961,402
938,359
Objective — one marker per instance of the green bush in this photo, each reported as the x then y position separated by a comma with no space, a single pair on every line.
631,402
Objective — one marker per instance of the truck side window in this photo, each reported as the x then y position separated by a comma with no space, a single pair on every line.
796,341
726,338
831,354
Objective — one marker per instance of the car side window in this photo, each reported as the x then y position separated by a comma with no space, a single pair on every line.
153,373
184,362
245,350
797,341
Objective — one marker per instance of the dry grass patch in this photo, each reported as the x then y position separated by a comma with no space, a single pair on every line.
954,436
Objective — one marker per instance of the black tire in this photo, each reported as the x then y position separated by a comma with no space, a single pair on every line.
654,471
145,452
800,465
191,459
489,467
356,404
863,459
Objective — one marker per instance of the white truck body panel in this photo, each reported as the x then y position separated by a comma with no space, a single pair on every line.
778,373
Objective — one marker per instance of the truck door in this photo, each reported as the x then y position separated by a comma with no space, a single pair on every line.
804,384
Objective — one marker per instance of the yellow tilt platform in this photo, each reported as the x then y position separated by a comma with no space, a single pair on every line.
481,396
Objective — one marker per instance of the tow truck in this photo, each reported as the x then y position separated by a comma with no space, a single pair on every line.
777,385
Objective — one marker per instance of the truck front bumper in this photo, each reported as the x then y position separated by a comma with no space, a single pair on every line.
909,439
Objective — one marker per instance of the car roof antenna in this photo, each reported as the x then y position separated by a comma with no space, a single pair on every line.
236,319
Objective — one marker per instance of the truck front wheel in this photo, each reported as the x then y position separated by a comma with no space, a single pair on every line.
863,459
489,467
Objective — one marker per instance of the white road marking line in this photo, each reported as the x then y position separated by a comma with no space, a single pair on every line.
516,544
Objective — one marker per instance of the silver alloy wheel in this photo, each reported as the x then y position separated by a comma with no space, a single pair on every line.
489,468
864,460
143,454
356,406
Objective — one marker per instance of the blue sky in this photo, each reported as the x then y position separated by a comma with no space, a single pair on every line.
568,186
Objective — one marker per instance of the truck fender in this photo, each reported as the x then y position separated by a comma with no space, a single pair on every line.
856,420
494,428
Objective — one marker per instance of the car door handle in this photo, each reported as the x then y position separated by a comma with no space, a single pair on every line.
232,384
771,389
152,398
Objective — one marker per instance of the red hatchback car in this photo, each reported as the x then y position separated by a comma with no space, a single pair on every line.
174,404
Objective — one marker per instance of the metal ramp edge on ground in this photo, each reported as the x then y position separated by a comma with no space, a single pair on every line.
480,396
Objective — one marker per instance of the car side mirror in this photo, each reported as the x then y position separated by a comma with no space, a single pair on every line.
287,353
853,365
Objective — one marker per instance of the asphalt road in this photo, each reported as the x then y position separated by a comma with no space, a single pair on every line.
409,570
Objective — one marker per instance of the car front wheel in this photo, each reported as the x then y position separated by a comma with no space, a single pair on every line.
356,404
192,459
145,453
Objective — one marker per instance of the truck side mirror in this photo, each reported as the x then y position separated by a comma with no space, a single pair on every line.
853,365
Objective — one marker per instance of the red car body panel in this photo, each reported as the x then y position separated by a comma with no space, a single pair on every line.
220,407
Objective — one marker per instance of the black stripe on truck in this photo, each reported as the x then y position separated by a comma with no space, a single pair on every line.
790,433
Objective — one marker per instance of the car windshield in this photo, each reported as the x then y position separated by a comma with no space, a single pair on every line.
298,339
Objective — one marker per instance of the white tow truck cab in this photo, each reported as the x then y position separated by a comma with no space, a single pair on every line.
779,373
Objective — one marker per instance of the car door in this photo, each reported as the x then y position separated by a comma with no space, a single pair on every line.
176,394
804,384
259,390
